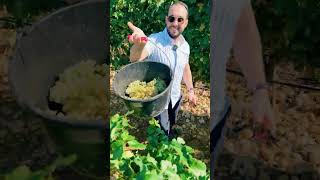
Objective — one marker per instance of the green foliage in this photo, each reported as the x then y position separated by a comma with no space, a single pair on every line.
160,85
290,29
149,15
158,158
24,173
22,11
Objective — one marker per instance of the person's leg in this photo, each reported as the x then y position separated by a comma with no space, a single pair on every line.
173,112
168,117
164,121
216,141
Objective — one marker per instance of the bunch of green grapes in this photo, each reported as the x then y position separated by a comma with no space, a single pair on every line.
81,89
142,90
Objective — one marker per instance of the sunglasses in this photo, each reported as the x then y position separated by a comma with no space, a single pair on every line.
172,19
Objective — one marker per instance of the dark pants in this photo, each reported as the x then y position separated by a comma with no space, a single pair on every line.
168,117
216,140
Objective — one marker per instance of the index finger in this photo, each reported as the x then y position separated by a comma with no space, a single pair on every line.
131,26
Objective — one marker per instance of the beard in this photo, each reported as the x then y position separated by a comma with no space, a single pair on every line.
174,32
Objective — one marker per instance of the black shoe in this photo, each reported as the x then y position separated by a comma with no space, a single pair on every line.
172,135
177,130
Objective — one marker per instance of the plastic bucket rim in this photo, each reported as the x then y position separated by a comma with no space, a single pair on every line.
152,98
78,123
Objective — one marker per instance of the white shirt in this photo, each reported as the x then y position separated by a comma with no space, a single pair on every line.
224,16
160,48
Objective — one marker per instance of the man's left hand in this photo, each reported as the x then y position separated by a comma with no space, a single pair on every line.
262,114
192,97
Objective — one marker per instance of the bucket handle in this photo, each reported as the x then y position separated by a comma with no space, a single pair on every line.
142,38
147,39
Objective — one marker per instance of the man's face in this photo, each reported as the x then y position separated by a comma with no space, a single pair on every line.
176,20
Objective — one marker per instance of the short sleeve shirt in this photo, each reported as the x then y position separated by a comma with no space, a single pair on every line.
161,49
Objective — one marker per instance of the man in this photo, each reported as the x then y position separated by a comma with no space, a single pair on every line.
168,47
233,25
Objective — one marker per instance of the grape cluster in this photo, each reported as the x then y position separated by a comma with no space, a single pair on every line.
81,89
142,90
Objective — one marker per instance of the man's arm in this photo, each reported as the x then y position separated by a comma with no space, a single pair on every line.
138,51
247,48
248,53
187,78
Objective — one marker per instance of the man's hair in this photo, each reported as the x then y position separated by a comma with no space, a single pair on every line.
182,4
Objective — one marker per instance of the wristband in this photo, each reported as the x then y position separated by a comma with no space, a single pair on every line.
261,86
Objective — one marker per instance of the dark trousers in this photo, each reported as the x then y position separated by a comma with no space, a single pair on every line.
216,140
169,116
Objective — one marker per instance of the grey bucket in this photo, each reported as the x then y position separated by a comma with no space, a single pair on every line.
45,50
144,71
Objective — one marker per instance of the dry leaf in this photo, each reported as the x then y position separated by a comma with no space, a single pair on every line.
246,134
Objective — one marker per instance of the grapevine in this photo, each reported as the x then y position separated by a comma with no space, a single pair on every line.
157,158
